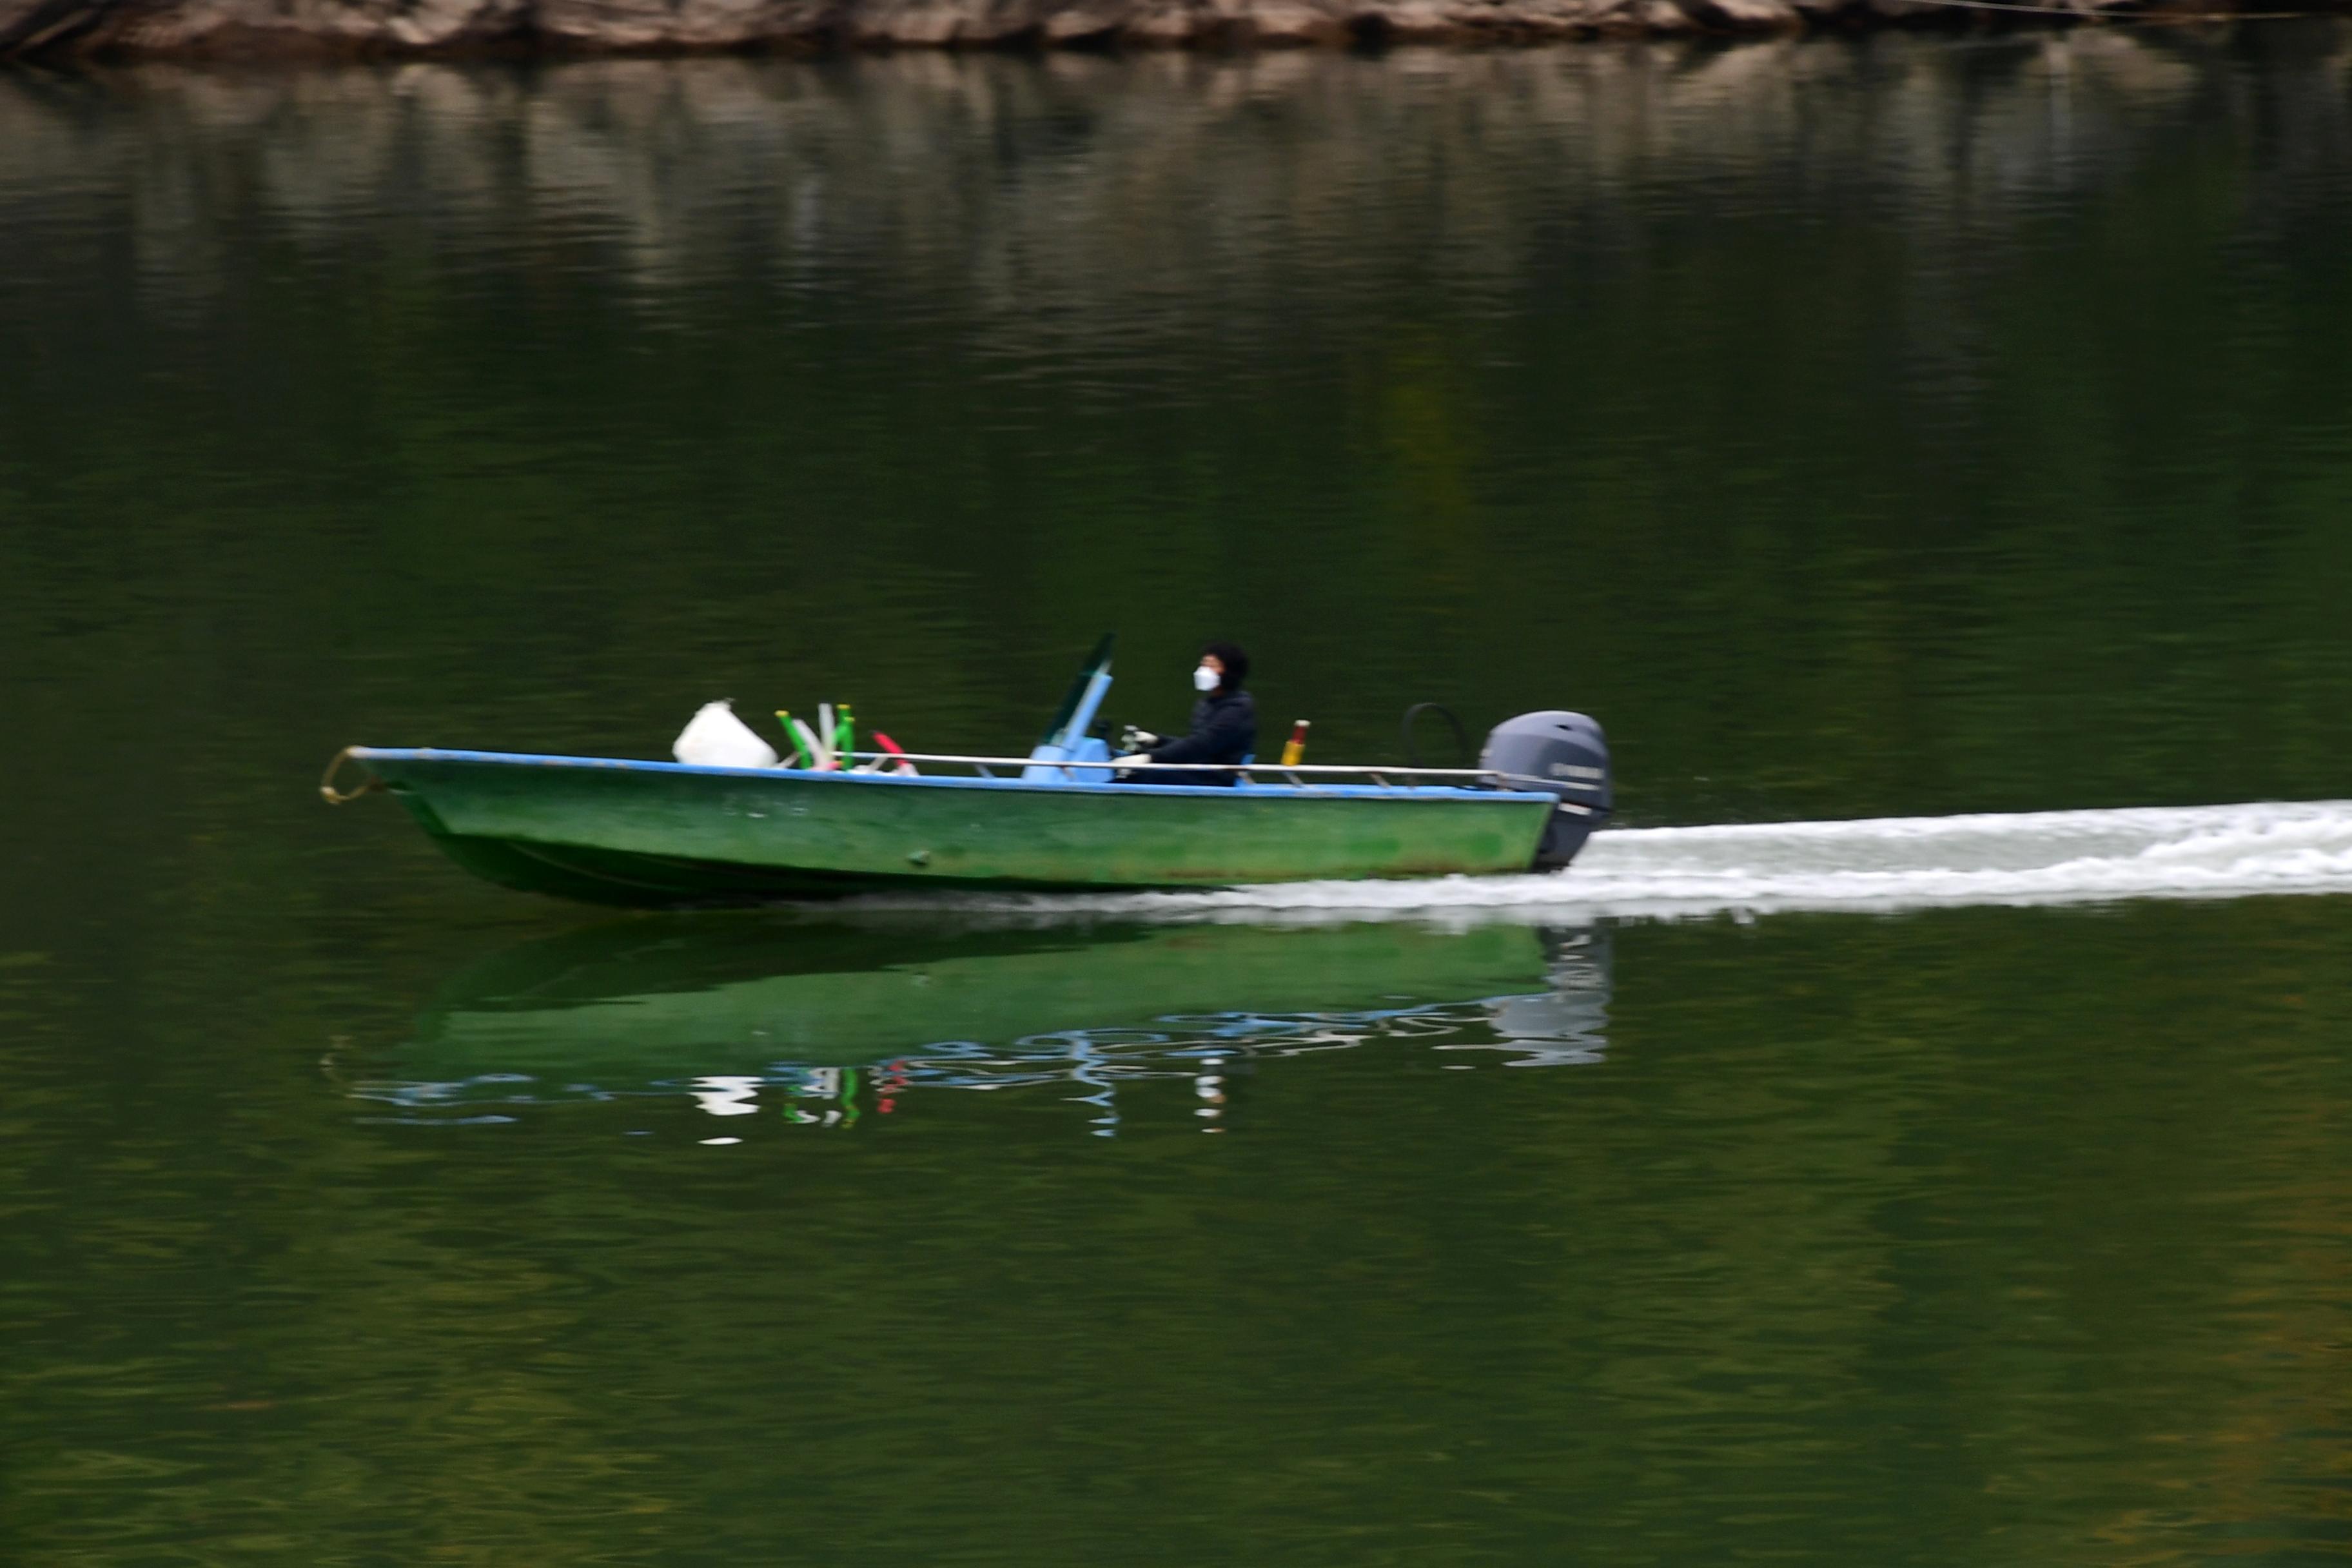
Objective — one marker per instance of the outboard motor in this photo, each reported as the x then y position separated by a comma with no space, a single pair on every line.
1566,756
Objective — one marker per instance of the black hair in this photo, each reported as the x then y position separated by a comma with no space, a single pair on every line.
1235,661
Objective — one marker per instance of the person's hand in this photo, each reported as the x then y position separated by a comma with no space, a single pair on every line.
1134,740
1132,758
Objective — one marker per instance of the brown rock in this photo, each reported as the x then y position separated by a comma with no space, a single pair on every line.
429,27
1750,15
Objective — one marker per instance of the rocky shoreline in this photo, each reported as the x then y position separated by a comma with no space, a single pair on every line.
429,28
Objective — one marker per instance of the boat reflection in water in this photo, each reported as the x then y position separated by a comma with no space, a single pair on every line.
832,1021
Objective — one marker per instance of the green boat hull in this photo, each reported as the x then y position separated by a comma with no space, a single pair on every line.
660,833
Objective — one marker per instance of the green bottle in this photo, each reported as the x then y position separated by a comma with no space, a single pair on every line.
792,738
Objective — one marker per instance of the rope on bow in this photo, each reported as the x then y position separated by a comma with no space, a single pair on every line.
334,796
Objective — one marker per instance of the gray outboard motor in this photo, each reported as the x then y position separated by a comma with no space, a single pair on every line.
1566,756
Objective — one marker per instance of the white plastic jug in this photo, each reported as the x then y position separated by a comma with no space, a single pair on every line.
715,738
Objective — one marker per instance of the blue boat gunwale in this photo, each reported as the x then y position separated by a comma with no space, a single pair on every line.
1440,793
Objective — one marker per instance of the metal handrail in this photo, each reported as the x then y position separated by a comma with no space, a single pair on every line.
1380,775
1114,765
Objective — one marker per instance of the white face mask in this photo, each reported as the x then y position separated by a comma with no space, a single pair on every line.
1205,679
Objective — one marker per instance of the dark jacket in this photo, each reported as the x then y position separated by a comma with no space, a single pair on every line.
1224,729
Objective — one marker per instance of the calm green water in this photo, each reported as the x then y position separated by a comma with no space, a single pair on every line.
1895,428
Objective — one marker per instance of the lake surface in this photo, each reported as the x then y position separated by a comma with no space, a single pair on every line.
1919,1135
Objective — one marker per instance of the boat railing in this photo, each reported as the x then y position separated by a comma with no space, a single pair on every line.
1304,776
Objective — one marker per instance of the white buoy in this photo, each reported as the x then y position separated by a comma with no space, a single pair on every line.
715,738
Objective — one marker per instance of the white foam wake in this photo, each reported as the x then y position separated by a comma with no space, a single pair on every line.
1886,863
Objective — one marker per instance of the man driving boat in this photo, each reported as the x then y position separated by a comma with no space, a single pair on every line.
1224,724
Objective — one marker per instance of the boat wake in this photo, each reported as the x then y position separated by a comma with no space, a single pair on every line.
1880,864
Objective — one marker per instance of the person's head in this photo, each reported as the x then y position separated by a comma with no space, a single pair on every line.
1229,663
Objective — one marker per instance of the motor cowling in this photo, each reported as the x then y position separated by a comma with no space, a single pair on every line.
1562,754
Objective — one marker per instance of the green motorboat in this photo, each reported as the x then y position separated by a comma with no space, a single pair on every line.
1065,818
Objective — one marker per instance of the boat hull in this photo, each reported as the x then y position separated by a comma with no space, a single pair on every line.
662,833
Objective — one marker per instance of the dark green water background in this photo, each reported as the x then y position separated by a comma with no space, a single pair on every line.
1906,424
